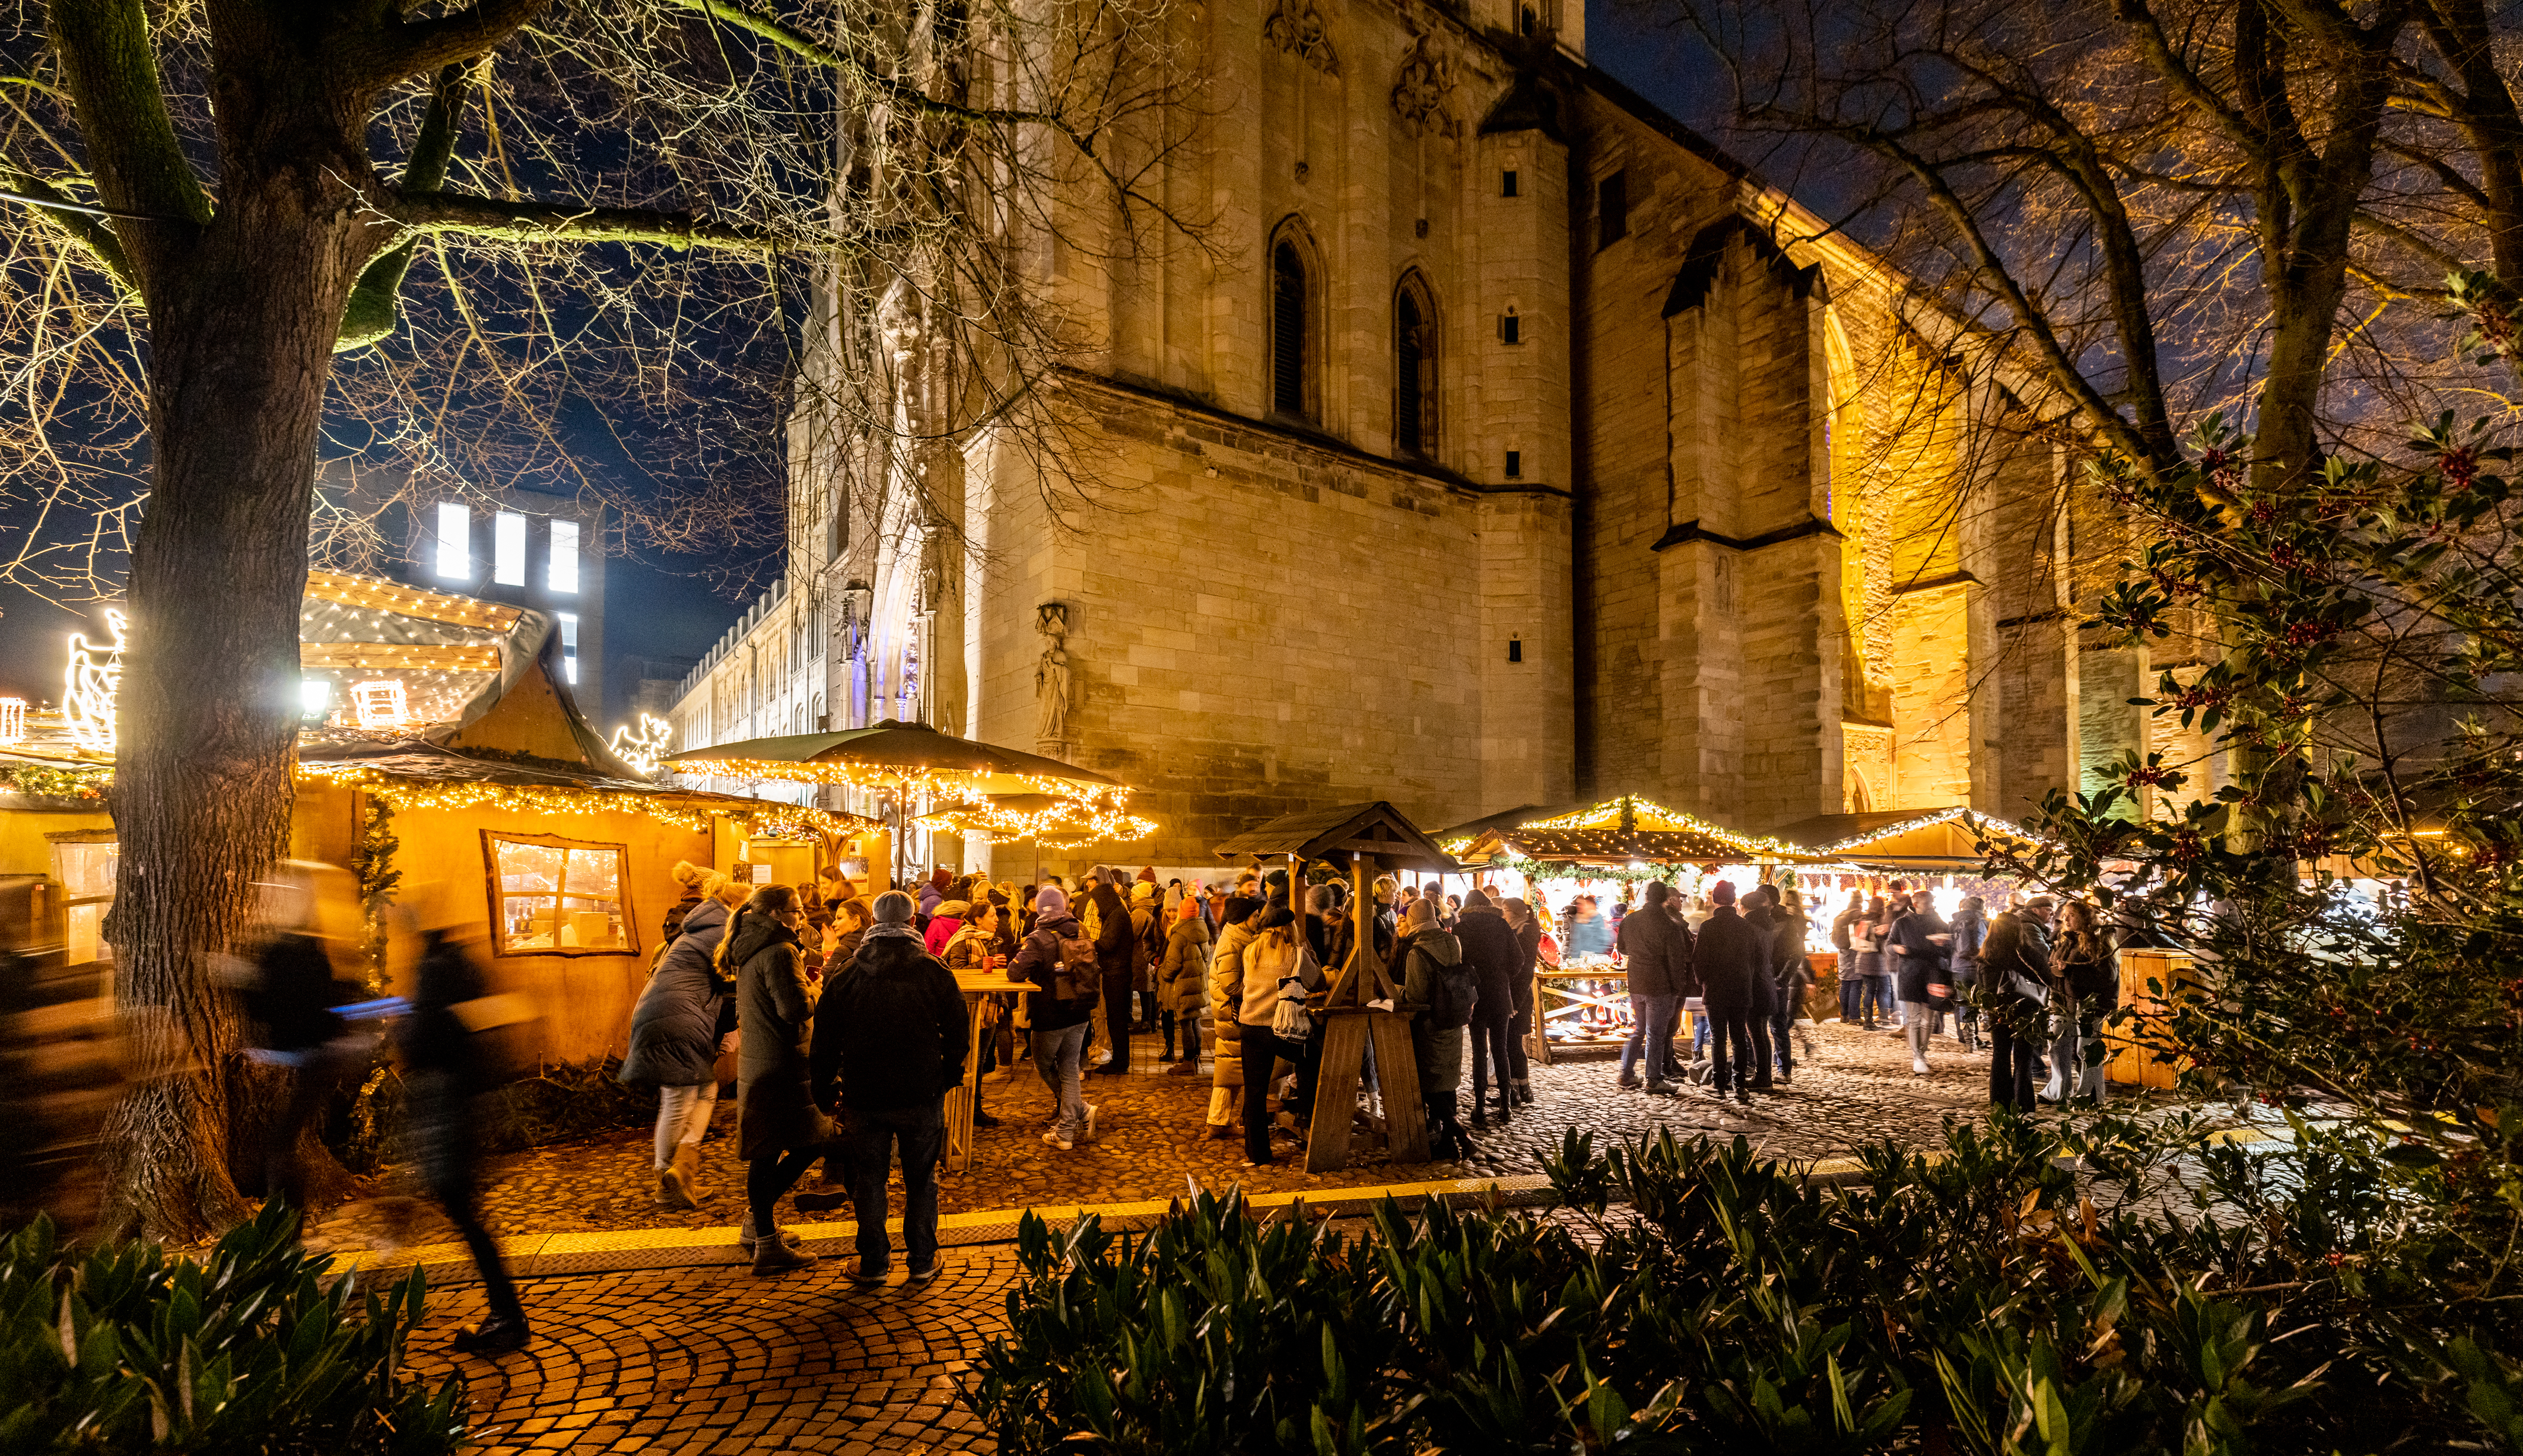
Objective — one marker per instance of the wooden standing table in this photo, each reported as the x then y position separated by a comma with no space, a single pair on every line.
958,1108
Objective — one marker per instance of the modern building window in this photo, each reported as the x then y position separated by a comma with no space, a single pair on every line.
1515,464
1511,327
564,556
508,548
1414,385
454,540
556,897
1507,182
1288,307
1611,209
569,646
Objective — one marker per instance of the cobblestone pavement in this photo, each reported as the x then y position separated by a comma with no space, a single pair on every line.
715,1360
1152,1137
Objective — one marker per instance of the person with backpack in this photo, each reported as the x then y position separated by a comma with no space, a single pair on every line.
1062,965
1656,949
684,1021
1428,965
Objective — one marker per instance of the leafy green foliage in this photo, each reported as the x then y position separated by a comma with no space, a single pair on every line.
1689,1296
123,1350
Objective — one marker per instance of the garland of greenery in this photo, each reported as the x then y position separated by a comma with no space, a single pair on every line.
37,781
374,862
1540,869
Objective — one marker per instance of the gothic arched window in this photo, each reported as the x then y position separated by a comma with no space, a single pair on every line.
1415,368
1288,330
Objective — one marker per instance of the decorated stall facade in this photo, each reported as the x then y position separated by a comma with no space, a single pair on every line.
1553,856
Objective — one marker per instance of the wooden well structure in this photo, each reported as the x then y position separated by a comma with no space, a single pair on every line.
1371,838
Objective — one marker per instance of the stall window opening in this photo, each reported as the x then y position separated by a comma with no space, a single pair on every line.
556,897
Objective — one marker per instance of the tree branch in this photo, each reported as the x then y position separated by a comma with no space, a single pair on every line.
2152,43
898,91
75,223
140,168
416,46
570,222
370,313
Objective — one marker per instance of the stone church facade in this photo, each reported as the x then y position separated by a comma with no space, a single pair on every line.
1516,447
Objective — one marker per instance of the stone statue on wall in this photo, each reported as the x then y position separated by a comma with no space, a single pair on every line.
1051,675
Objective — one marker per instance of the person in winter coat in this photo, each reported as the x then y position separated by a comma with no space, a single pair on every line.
443,1074
1656,948
1867,934
2014,957
1496,957
1527,926
979,949
1423,953
1917,947
1114,942
1059,1024
1182,983
1278,950
683,1020
291,1022
888,1050
1731,959
780,1131
1852,985
1760,910
1971,931
943,924
2086,988
1147,928
933,893
1225,1000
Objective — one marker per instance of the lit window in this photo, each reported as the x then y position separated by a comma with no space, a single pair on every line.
556,897
508,548
569,646
454,540
564,556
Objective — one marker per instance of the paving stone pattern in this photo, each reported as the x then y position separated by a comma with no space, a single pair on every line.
1153,1144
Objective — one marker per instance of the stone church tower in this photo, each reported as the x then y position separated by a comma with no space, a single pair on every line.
1510,446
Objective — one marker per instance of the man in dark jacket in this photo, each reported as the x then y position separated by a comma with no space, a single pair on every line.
1059,1024
1489,947
1761,912
1732,958
1656,948
889,1042
1114,939
444,1071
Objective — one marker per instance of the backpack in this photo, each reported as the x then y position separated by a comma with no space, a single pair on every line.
1077,977
1453,991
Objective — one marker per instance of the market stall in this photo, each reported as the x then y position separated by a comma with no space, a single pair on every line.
1556,858
1940,850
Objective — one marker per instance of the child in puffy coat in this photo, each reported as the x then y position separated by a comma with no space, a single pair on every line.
1182,985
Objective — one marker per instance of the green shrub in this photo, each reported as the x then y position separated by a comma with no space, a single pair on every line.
2177,1296
125,1349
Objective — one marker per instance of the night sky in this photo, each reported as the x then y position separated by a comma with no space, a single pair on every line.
660,606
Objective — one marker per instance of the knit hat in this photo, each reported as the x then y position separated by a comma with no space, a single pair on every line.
1190,909
1721,893
893,908
1051,902
1421,913
1145,889
1147,874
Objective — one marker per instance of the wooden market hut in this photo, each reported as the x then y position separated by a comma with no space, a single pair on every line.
487,789
1944,840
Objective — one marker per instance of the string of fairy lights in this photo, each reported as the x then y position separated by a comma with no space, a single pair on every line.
682,812
1069,823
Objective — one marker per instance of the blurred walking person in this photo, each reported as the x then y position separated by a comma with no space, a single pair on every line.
290,992
2015,991
1917,946
780,1131
889,1048
446,1064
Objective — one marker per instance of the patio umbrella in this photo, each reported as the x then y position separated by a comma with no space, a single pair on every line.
901,759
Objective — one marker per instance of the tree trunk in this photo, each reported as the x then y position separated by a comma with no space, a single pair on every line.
242,326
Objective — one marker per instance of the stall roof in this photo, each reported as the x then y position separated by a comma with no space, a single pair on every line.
1376,828
1618,830
1942,838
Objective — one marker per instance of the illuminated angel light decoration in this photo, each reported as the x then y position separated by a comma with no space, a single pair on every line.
380,704
92,679
12,720
644,749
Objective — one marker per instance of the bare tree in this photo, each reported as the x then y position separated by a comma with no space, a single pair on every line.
248,237
2118,192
